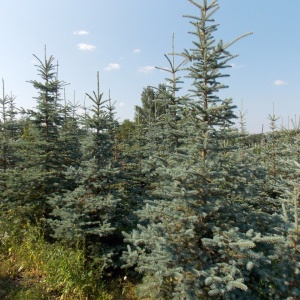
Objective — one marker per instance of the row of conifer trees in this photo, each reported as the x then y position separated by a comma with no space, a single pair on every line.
179,198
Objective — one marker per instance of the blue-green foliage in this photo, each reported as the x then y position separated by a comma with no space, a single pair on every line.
8,130
204,232
39,152
204,211
87,214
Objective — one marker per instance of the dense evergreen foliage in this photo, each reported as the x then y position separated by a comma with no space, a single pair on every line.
179,201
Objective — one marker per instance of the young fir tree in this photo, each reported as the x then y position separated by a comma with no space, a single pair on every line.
288,269
167,131
273,151
71,133
9,132
39,172
88,214
164,141
280,157
131,148
196,238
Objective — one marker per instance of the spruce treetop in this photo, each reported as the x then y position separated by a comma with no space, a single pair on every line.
206,59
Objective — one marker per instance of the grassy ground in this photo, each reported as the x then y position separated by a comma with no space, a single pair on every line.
32,269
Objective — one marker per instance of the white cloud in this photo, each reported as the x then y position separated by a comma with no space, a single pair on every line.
146,69
80,32
235,66
112,67
86,47
279,82
121,104
136,51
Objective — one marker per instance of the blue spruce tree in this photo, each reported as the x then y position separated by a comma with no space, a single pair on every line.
38,173
87,215
197,237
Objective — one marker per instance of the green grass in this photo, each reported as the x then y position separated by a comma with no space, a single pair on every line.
32,269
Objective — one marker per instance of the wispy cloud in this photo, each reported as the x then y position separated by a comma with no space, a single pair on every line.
235,66
279,82
112,67
121,104
146,69
86,47
136,51
80,32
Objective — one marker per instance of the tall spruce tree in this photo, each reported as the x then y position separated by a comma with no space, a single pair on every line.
196,238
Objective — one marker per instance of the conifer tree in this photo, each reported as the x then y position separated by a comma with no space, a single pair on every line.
275,148
288,268
87,214
71,133
132,149
9,132
39,172
194,239
279,155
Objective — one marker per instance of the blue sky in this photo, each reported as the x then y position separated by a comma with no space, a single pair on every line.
125,39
